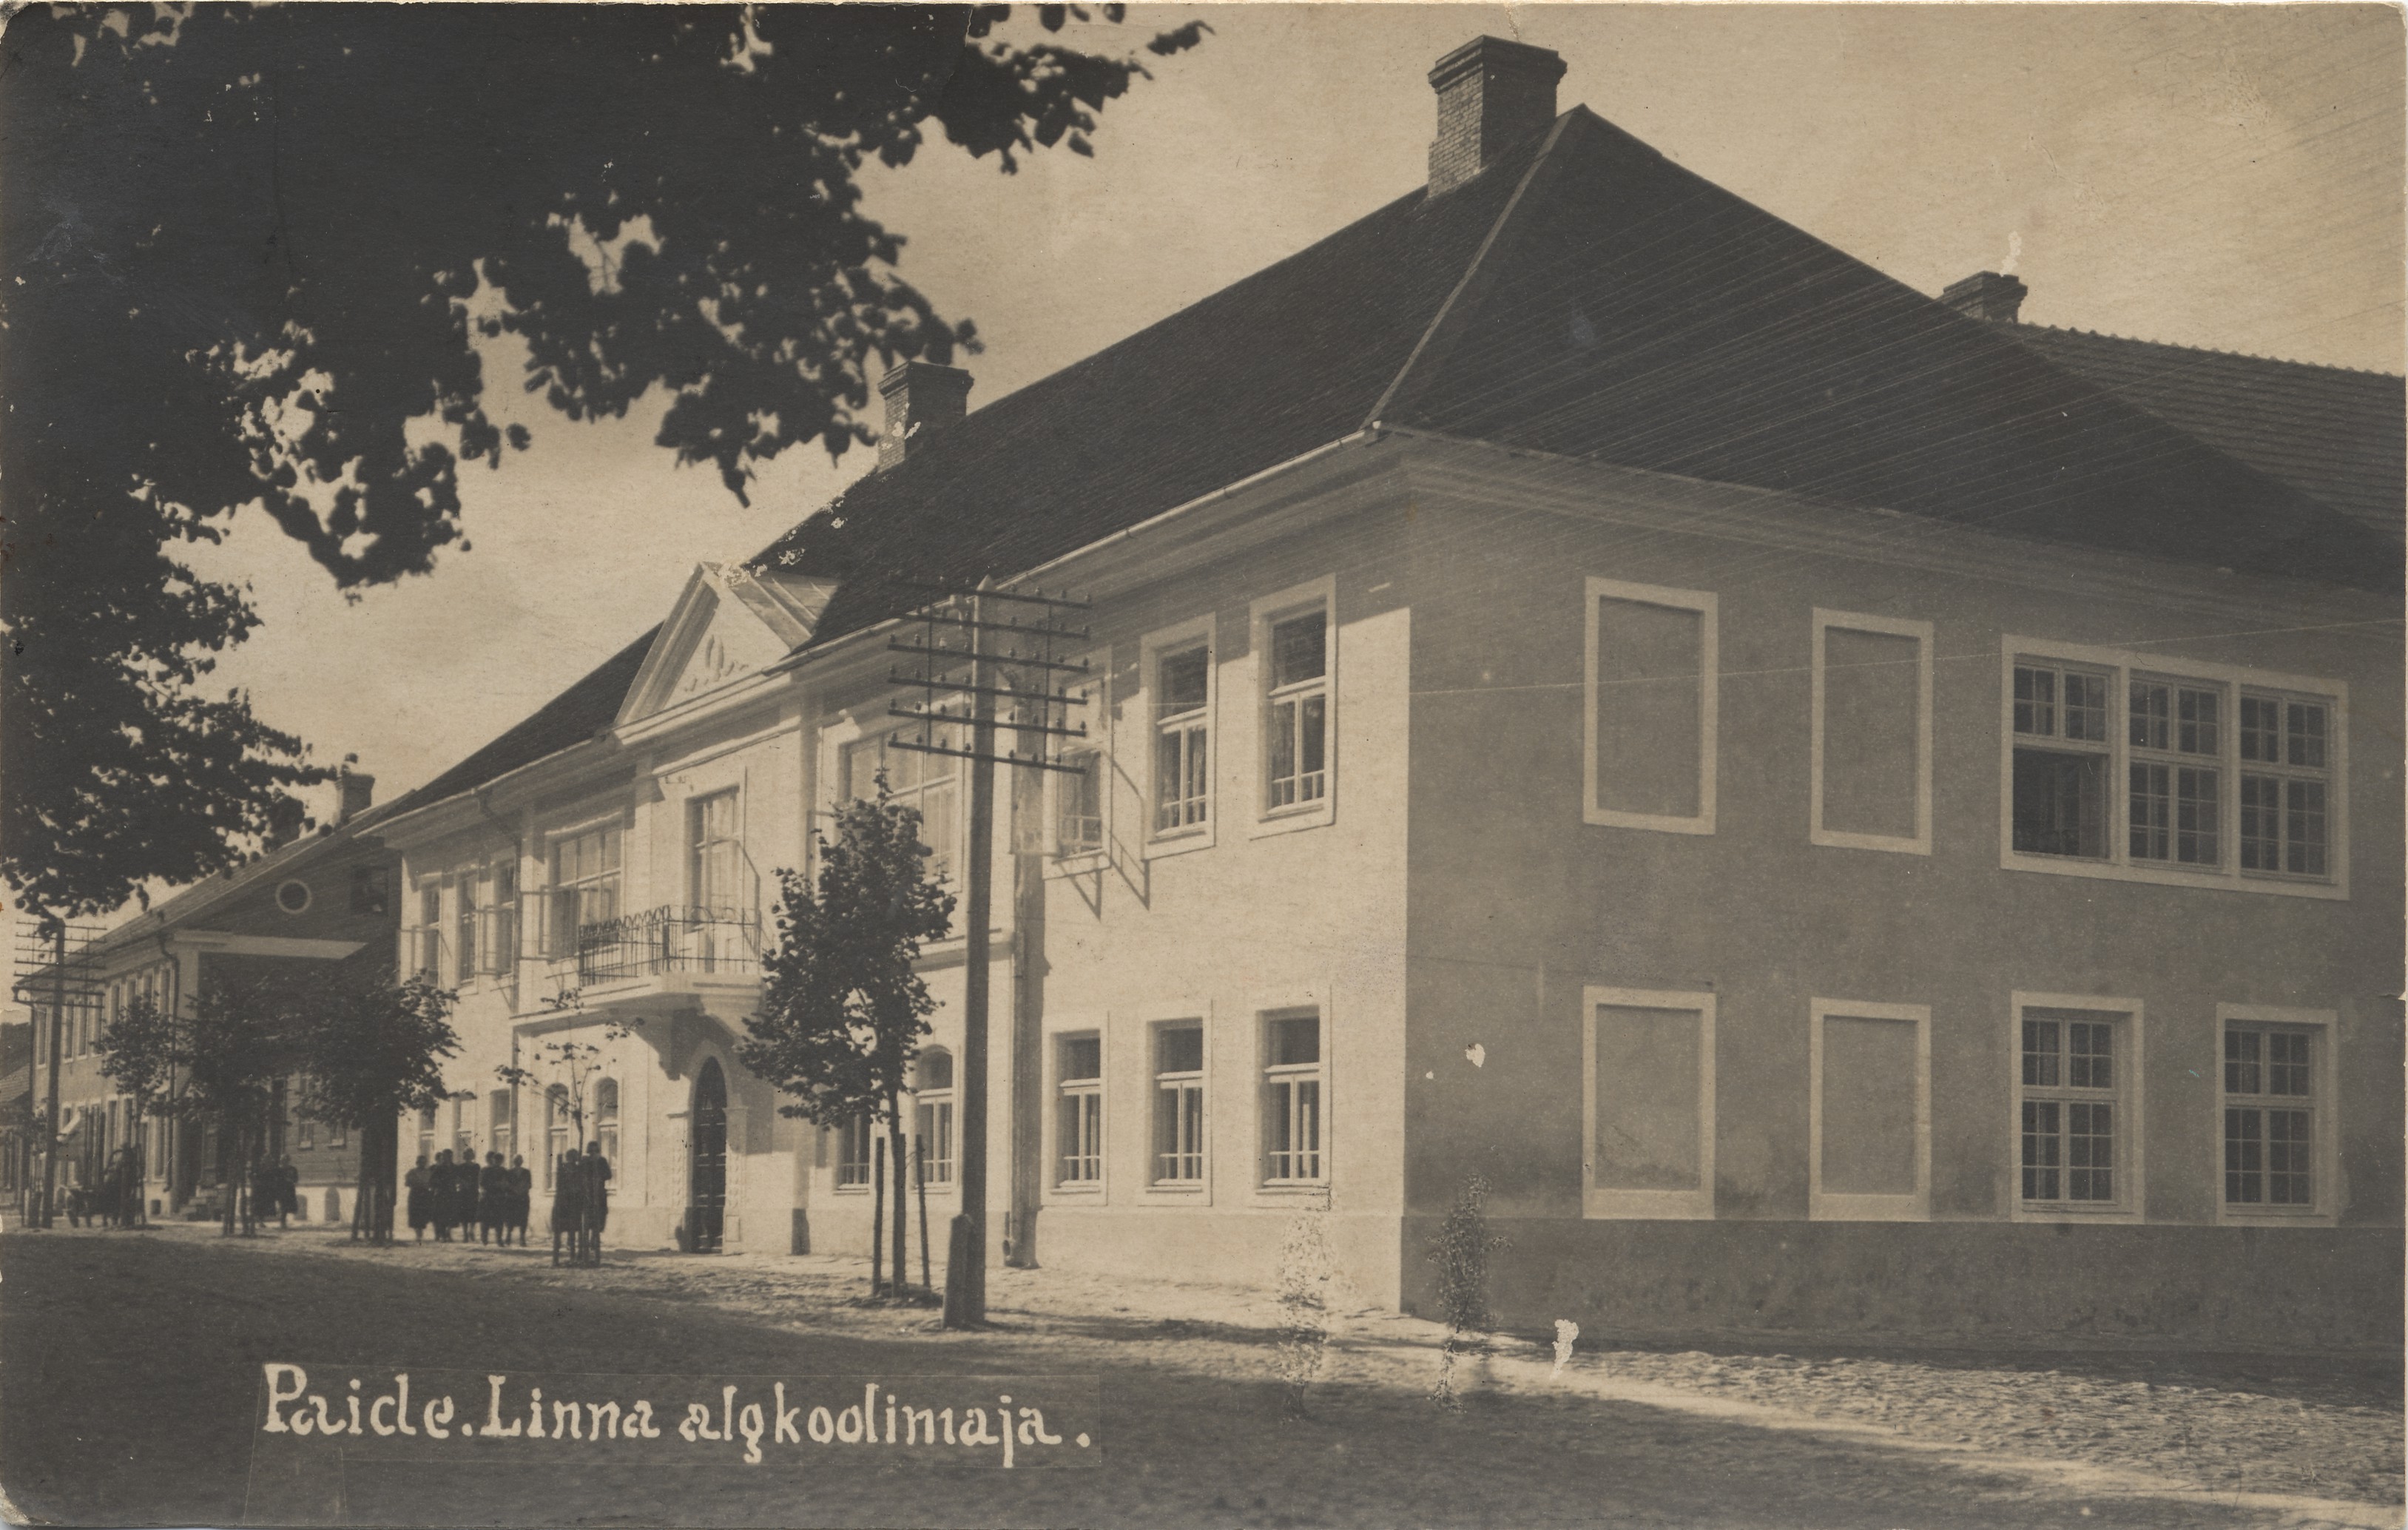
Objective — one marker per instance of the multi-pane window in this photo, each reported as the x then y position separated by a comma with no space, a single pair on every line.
426,1134
1079,804
428,939
2269,1117
464,1127
2205,778
714,856
1297,727
1179,1104
1078,1110
501,1115
584,884
2176,803
1182,774
930,783
1292,1098
606,1117
498,921
852,1151
558,1124
2060,764
2073,1130
933,1116
2285,773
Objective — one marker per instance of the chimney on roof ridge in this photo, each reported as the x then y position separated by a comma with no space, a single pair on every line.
922,398
359,794
1491,94
1986,295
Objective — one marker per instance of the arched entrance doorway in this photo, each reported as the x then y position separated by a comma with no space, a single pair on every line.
706,1196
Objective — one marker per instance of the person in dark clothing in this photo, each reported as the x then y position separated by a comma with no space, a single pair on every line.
421,1199
567,1203
597,1199
522,1196
285,1186
445,1194
464,1177
493,1201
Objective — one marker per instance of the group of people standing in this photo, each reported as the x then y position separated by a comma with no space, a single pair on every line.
113,1199
495,1199
491,1199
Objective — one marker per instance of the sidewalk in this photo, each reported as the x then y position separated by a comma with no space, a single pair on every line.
2308,1443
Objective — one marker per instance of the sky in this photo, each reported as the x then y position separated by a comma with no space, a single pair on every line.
2219,176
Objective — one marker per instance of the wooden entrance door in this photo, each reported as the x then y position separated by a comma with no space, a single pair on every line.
707,1201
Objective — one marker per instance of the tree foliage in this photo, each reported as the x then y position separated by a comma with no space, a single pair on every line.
243,1037
251,251
137,1054
843,1007
371,1047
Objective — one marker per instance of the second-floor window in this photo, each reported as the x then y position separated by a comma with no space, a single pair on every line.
930,782
1182,764
427,957
584,883
2285,771
1297,762
464,917
715,857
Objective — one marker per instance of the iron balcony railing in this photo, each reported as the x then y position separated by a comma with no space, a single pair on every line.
658,941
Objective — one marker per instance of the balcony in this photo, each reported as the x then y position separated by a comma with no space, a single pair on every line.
660,950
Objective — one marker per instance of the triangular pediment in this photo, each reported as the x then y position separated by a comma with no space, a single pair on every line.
728,624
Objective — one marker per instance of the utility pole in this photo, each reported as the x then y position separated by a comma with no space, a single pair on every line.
58,1029
985,665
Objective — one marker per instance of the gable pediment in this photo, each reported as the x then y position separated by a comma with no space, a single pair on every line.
728,624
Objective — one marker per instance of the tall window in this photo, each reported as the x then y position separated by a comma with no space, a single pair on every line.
1296,768
1871,762
1650,1102
558,1124
930,782
584,884
2075,1139
1291,1097
1079,804
606,1117
430,930
1182,766
1078,1110
2286,768
933,1115
2175,805
502,1112
426,1134
501,919
464,1127
2060,765
853,1166
2210,775
1179,1104
2269,1126
715,858
464,909
1648,753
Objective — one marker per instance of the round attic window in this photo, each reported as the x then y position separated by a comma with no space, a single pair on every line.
294,897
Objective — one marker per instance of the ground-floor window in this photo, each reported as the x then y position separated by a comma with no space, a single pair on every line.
852,1141
2075,1136
1178,1103
1079,1110
2272,1100
1292,1099
933,1116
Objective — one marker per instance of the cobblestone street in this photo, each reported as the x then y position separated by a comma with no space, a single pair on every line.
2104,1438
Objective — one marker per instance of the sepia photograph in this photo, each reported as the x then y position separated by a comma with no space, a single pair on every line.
1227,765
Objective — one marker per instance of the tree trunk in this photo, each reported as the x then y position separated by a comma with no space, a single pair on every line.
895,1162
919,1181
229,1156
877,1211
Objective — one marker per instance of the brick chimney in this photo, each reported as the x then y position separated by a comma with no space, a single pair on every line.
359,793
1986,295
1491,94
922,398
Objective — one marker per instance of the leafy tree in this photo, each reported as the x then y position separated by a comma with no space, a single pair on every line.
137,1054
843,1007
312,215
243,1038
373,1048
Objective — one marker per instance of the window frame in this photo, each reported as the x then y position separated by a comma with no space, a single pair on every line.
1858,1206
1202,631
841,1164
1695,1204
942,1102
698,848
1099,1089
1096,712
1175,1192
1707,605
1919,842
1318,1071
554,887
2131,1136
874,735
2122,666
1261,617
2323,1100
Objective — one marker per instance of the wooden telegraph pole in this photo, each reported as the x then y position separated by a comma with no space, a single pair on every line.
971,646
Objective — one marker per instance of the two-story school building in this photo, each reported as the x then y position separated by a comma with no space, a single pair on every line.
1850,814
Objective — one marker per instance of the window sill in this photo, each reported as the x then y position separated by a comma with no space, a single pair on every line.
1823,1208
1176,1194
1162,846
2214,880
1311,815
1657,823
1085,864
2073,1215
2243,1216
